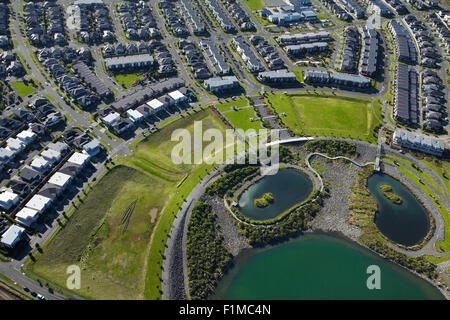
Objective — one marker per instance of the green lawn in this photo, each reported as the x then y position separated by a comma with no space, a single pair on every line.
127,79
228,105
322,16
333,116
240,119
255,4
22,89
298,75
127,266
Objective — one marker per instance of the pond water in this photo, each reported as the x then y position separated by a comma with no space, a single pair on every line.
288,186
406,223
318,266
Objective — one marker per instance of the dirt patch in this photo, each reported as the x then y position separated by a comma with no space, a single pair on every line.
153,215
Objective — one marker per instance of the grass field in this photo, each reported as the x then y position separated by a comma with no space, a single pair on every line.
112,263
332,116
254,4
228,105
240,119
127,266
127,79
22,89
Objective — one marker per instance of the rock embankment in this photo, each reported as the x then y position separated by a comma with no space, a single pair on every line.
340,176
233,240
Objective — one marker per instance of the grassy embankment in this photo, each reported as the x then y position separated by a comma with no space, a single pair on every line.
334,116
443,245
117,265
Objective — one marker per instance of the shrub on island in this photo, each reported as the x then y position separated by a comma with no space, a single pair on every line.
266,199
389,194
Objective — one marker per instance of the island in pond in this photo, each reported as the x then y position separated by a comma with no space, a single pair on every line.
389,194
266,199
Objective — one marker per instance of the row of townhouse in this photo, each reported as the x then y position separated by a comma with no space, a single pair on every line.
405,95
4,26
194,59
248,56
405,50
419,142
91,21
137,20
337,79
66,54
43,199
353,8
193,21
156,90
351,50
44,23
268,52
433,101
307,37
174,21
119,124
337,10
368,65
441,28
429,56
220,16
110,50
239,15
215,58
299,50
71,85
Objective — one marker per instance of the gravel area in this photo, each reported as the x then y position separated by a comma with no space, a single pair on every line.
339,176
233,240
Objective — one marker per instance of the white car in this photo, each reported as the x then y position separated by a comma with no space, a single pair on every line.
40,297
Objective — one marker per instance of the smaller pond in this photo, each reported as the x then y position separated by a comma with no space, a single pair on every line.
406,223
288,186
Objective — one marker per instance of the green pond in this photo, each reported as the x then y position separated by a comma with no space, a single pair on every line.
406,223
288,186
318,266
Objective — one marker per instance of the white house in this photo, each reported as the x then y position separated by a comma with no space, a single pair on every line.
8,200
111,119
12,236
155,104
40,165
135,115
27,216
6,155
15,145
27,137
39,203
79,159
92,148
51,155
60,179
177,96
